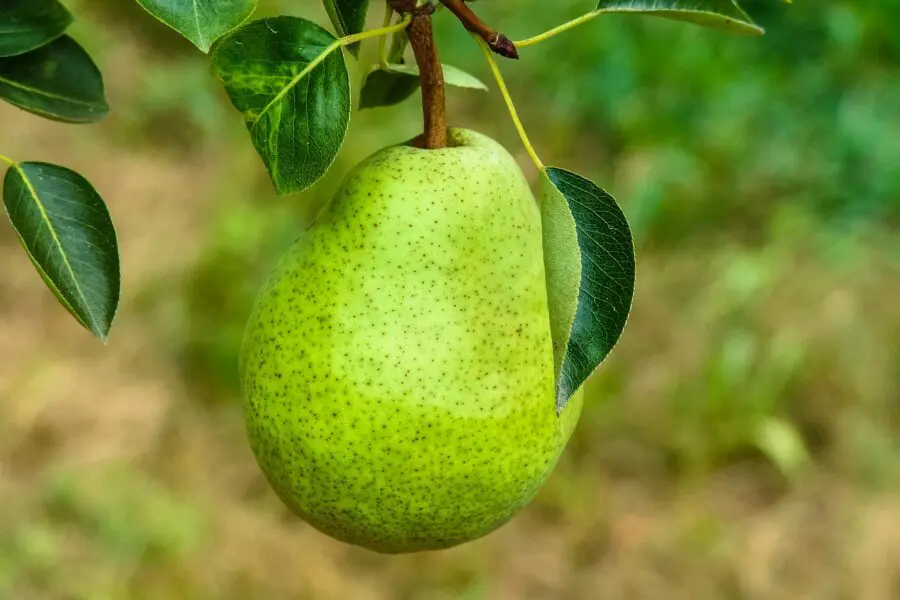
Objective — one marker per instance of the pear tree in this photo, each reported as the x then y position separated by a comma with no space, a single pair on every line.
413,368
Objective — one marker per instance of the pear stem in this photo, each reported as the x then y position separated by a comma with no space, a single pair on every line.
434,101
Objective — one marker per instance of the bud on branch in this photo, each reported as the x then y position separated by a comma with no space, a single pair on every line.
495,40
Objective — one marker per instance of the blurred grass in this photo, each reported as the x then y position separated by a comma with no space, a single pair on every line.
740,443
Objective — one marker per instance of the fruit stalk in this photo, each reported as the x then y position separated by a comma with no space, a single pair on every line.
434,104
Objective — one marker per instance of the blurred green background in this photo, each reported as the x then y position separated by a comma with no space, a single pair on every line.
741,442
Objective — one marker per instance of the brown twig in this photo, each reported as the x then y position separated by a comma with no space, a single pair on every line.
434,107
496,41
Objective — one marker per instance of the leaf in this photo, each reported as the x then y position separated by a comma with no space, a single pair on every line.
452,76
29,24
590,264
58,81
66,229
348,18
394,85
201,21
295,98
720,14
562,258
386,88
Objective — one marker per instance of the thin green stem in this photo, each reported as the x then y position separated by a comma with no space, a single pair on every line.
365,35
8,160
382,41
558,30
750,27
509,103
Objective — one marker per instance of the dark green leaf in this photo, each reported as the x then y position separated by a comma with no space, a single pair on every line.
348,17
589,257
64,226
58,81
386,87
721,14
201,21
29,24
295,102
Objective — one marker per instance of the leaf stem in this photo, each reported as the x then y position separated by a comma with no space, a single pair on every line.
558,30
8,160
365,35
509,103
747,26
382,41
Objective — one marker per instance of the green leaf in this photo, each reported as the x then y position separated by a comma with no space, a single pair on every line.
65,227
295,98
589,259
399,81
348,18
201,21
386,88
452,76
58,81
720,14
29,24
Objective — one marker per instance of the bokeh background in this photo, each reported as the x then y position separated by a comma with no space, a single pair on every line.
741,442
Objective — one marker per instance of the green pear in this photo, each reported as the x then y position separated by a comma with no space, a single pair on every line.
398,367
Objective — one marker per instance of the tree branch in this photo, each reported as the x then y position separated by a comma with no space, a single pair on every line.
496,41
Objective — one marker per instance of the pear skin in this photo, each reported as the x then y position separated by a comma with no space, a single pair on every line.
398,368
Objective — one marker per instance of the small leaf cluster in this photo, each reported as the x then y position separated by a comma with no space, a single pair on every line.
60,219
288,77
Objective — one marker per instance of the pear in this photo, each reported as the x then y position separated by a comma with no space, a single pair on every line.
398,367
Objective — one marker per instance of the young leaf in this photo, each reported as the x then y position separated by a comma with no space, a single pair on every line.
589,258
720,14
292,86
58,81
386,88
29,24
201,21
66,230
452,76
348,17
394,85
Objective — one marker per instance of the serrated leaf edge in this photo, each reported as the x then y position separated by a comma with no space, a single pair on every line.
93,327
312,66
747,25
562,399
200,42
